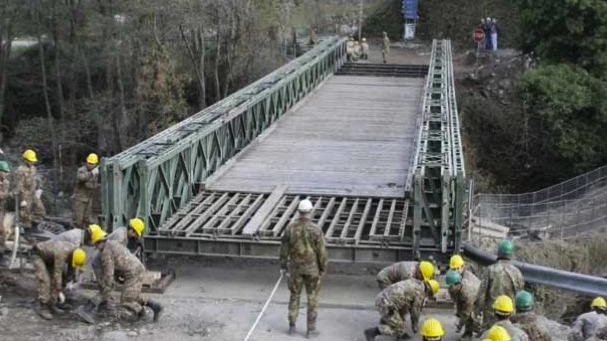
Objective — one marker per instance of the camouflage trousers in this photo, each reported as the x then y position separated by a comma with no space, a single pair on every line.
312,283
488,318
130,296
43,275
391,322
34,211
81,212
469,324
383,283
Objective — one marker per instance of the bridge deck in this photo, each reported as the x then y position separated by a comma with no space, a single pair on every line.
353,136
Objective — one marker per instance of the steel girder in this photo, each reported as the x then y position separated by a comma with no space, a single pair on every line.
156,177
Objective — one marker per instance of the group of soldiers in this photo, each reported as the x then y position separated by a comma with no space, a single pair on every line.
356,50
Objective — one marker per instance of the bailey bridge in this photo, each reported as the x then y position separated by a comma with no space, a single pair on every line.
376,148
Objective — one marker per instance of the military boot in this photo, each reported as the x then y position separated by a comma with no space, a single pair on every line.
43,310
312,332
291,329
156,308
371,333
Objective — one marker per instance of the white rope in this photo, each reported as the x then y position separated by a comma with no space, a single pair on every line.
265,306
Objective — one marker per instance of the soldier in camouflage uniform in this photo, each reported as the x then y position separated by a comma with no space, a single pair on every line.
85,190
456,262
398,300
404,270
4,201
599,335
463,292
385,47
51,259
31,209
501,278
304,256
503,308
527,319
586,324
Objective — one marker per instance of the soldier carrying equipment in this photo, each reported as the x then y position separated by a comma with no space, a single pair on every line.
586,324
28,188
463,292
85,190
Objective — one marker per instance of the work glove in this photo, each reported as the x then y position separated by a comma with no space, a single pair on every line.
95,171
61,298
38,193
23,203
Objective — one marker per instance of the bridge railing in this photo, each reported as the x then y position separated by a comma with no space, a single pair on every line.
156,177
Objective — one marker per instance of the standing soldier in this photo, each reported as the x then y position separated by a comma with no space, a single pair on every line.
117,260
313,37
404,270
303,253
527,319
501,278
4,203
586,324
398,300
463,292
350,49
51,259
28,190
503,308
85,190
365,49
385,47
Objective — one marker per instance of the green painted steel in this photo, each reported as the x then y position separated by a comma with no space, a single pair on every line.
155,178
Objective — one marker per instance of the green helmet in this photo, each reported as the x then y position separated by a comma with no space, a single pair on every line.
453,277
505,249
4,167
524,300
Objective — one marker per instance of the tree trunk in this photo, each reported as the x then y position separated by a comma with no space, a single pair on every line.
5,54
124,123
54,30
47,102
196,52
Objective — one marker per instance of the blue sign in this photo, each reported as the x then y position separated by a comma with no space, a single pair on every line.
410,9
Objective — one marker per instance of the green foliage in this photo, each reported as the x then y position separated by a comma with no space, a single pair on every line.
387,17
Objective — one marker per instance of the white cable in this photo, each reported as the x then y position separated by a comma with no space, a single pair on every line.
265,306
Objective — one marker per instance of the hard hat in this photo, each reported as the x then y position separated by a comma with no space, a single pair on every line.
498,333
97,233
305,206
505,249
453,277
137,225
78,258
364,39
503,304
524,300
4,167
427,269
598,302
30,155
433,285
456,262
92,159
432,329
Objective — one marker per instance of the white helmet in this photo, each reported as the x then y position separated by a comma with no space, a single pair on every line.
305,206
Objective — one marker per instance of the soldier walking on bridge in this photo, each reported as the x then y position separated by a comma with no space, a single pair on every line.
28,188
4,201
503,309
527,319
463,292
303,257
501,278
85,190
404,270
385,47
586,324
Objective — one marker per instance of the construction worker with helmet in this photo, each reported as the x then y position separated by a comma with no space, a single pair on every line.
28,189
54,260
365,49
85,191
303,256
396,301
432,330
118,262
588,323
5,195
404,270
527,319
463,292
497,333
503,309
501,278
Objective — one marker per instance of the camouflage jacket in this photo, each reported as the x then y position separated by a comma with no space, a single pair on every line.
74,236
117,260
27,182
120,235
86,184
5,195
514,330
397,272
408,295
586,324
303,248
501,278
600,334
464,298
57,255
530,325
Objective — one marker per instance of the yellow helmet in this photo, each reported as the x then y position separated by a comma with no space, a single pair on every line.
456,262
78,258
498,333
433,285
30,155
598,302
503,304
92,159
137,225
432,329
97,233
427,269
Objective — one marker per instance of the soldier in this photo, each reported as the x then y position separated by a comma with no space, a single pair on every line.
527,319
313,37
457,263
357,50
501,278
365,49
404,270
463,292
303,253
31,209
385,47
85,190
599,335
4,204
51,259
503,308
432,330
394,302
350,49
497,333
116,260
586,324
